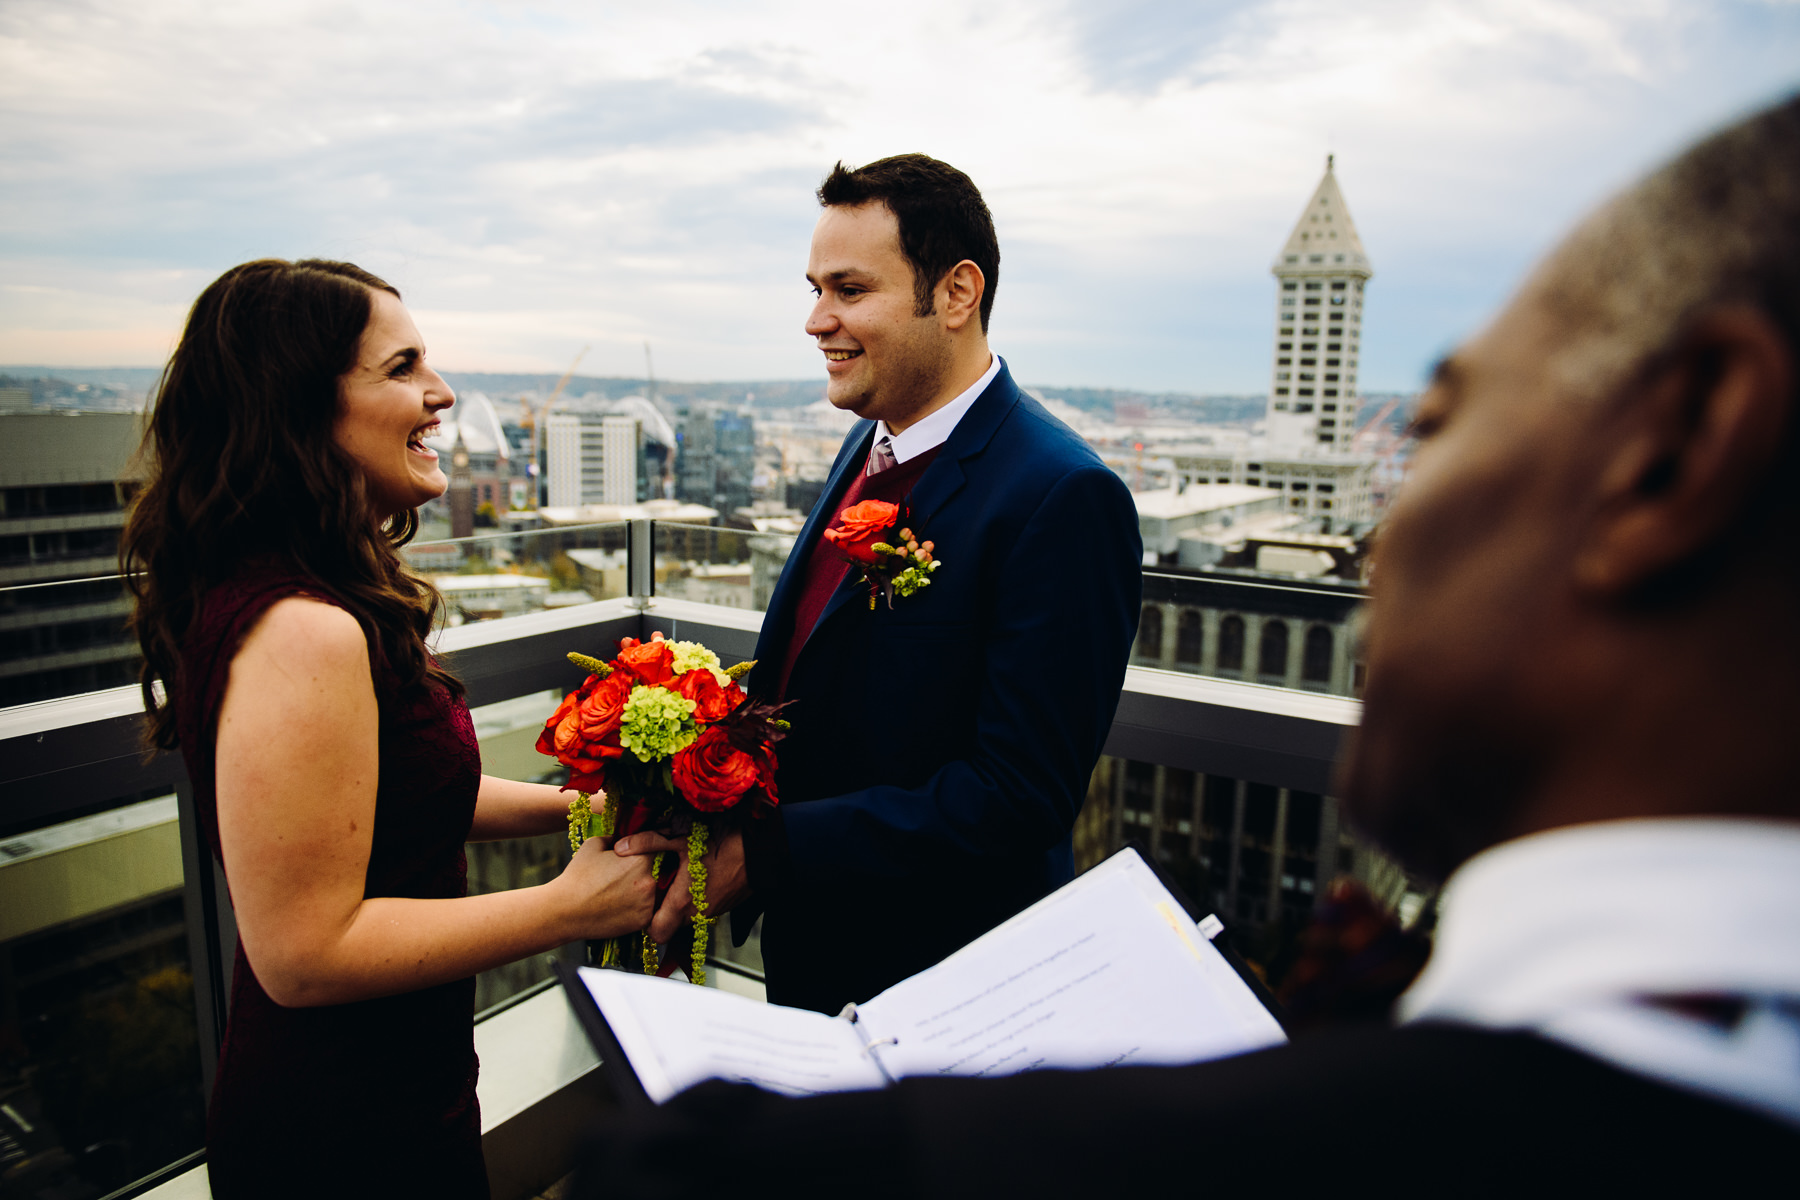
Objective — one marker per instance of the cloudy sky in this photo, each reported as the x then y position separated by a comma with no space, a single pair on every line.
537,177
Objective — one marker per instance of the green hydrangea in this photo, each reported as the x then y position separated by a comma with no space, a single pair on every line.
689,655
657,723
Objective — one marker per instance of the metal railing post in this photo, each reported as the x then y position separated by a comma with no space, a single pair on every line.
209,956
640,562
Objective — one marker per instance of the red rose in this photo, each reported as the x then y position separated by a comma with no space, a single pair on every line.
765,775
711,702
861,526
712,774
649,662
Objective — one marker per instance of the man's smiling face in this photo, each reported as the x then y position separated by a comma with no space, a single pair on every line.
884,362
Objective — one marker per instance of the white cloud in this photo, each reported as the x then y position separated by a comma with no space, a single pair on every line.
544,176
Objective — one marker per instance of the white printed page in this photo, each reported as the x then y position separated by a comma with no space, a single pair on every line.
676,1035
1106,971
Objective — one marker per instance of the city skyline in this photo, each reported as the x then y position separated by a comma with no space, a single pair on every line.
541,178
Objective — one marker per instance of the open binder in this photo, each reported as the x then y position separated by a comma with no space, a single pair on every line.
1111,968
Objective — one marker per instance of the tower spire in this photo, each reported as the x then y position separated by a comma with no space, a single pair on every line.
1320,271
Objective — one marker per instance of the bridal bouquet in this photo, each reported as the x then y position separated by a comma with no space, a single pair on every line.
665,741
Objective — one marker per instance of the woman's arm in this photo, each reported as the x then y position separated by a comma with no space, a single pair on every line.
506,808
298,761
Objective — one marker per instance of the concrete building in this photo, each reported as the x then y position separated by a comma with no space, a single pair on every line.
65,479
1318,326
490,597
1335,487
592,459
717,460
1194,523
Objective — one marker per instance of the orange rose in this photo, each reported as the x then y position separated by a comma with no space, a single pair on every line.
711,702
712,774
577,732
601,712
649,662
546,743
861,526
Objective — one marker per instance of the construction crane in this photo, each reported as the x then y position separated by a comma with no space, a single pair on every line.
535,422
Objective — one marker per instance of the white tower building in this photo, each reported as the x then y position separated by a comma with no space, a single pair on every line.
1318,327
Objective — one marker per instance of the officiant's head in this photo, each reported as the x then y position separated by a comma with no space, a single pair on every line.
904,263
1586,599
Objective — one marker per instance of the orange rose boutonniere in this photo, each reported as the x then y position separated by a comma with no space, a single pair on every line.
891,561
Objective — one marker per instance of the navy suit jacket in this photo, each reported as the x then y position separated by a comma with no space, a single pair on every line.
941,749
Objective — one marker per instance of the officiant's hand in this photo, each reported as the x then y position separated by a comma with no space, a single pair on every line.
726,883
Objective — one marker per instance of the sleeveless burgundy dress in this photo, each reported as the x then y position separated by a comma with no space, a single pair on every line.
375,1097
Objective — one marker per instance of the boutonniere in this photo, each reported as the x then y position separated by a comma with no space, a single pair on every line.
891,557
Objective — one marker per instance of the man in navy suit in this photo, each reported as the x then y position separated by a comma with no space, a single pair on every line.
942,743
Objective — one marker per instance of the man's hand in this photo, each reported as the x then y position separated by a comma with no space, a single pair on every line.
726,883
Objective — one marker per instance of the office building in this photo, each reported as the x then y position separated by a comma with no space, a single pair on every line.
65,479
592,459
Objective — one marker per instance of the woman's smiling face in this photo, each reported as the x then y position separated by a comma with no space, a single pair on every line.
388,403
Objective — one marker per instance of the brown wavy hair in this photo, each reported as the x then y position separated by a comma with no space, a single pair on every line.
242,465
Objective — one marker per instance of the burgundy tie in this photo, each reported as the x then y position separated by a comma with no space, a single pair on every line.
881,456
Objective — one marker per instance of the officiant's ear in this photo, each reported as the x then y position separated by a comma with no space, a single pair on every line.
1692,455
959,295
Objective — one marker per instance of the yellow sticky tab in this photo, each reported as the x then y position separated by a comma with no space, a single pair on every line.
1183,928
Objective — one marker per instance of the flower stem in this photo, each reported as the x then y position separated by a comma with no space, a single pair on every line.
697,892
579,813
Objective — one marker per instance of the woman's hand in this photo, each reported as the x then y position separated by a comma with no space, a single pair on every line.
607,895
726,881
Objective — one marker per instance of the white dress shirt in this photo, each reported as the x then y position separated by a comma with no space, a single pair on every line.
928,433
1574,933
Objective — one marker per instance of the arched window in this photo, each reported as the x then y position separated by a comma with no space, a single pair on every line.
1271,657
1149,639
1315,660
1231,644
1188,634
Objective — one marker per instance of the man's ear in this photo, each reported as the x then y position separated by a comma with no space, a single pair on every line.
1692,443
961,291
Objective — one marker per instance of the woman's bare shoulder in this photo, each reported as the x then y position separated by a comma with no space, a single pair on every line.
304,631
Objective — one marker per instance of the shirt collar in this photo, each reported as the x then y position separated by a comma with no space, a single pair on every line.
1616,908
932,431
1566,933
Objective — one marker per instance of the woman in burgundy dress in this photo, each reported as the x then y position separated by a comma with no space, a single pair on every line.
334,764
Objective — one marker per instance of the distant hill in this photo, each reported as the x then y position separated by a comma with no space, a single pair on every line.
768,393
127,387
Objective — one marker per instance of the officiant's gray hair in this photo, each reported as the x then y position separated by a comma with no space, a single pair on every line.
1719,224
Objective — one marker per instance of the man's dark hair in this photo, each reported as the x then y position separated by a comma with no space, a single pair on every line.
942,218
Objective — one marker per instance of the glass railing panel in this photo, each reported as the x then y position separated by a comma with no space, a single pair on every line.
1286,632
507,733
65,638
1262,857
732,568
100,1065
494,576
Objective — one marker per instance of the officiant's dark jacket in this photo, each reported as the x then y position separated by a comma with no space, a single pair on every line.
941,748
1425,1110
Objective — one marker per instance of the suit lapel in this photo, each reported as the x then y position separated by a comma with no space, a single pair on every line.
941,481
945,476
779,620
